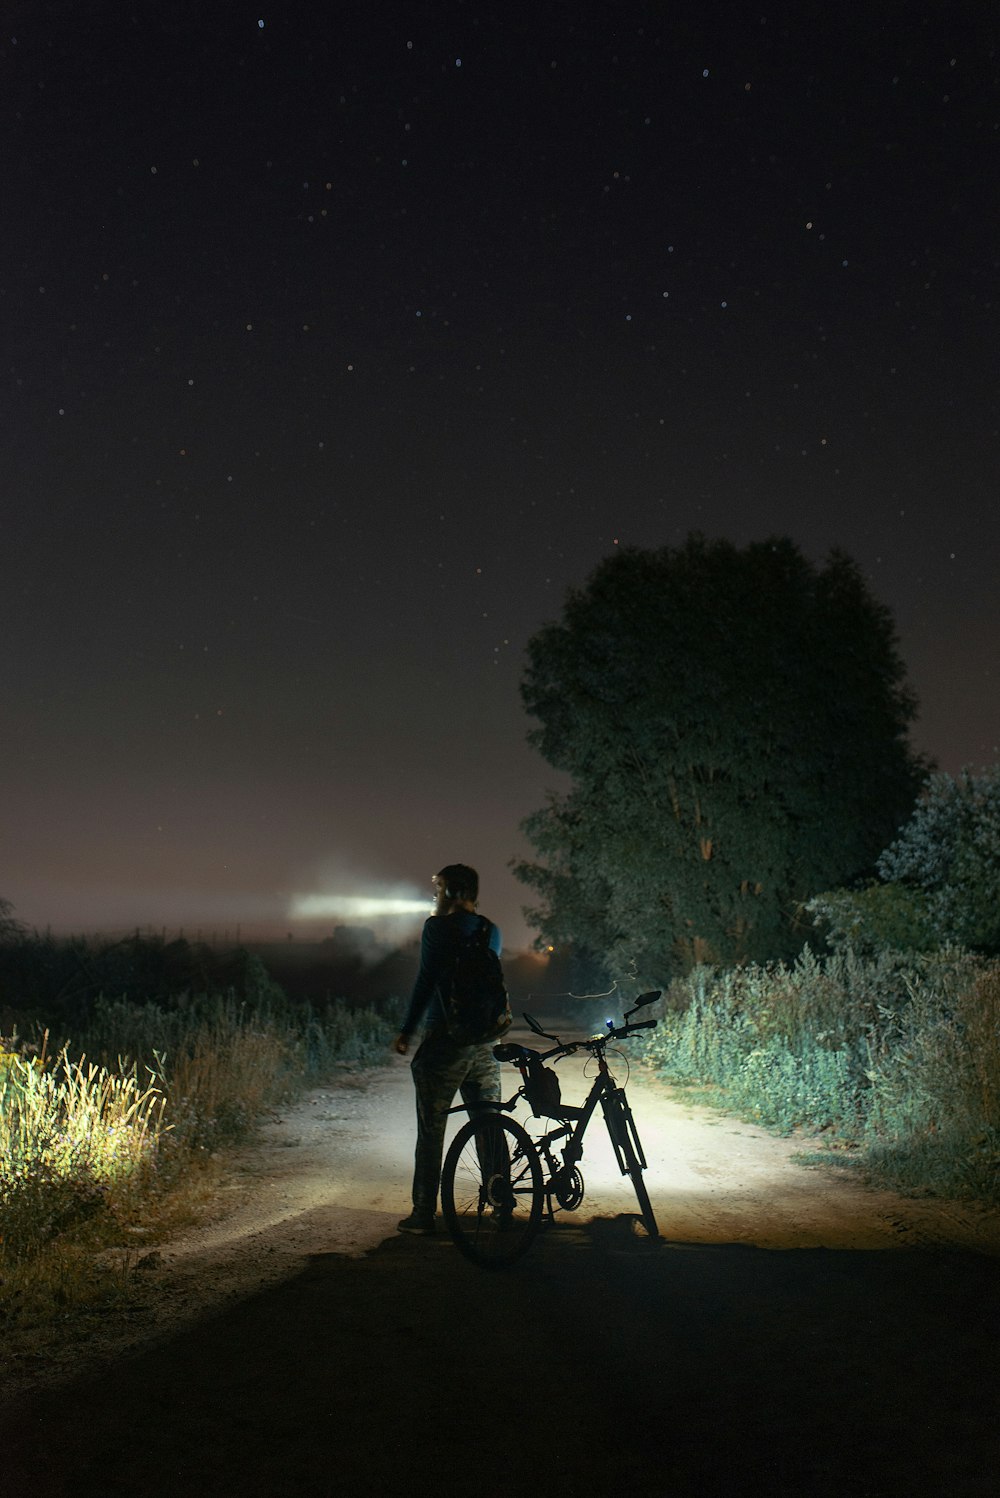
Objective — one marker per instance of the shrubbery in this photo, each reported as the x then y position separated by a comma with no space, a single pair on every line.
104,1129
898,1055
76,1141
939,880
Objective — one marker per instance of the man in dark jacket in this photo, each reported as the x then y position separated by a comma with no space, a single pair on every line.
441,1066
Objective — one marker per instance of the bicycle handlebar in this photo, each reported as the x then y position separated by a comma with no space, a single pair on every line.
511,1051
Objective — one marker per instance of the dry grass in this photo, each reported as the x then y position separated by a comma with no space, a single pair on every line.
123,1153
979,1015
74,1138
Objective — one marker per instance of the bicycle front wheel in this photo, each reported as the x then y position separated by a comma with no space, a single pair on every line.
491,1190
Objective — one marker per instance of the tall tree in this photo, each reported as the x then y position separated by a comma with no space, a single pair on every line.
734,727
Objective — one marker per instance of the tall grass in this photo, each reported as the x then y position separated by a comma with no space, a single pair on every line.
74,1140
223,1060
934,1117
110,1138
897,1055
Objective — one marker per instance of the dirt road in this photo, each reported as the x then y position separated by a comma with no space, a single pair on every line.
794,1334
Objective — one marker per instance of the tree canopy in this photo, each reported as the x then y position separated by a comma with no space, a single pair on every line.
734,727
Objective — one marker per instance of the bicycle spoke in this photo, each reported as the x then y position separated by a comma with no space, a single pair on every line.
492,1189
491,1193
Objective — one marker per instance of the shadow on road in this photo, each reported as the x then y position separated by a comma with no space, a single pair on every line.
599,1365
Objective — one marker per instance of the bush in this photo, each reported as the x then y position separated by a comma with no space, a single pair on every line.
934,1117
940,877
898,1055
878,918
72,1136
90,1147
223,1061
786,1043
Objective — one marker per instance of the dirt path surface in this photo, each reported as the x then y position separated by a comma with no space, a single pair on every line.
794,1334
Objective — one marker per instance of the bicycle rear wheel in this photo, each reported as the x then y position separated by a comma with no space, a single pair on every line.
491,1191
628,1149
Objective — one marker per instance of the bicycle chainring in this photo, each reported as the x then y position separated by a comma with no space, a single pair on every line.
567,1188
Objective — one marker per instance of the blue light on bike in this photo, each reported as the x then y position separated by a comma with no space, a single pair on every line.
610,1024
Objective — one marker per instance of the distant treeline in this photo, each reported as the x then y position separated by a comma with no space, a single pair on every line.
60,979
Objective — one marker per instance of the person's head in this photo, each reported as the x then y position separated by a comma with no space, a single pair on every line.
455,884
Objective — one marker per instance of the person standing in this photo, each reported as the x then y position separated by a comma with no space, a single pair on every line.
442,1066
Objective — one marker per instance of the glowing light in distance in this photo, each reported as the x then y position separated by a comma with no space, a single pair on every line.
353,907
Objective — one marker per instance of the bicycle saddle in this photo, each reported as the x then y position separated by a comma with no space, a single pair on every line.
511,1051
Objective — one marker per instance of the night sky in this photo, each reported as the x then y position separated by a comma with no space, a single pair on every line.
340,341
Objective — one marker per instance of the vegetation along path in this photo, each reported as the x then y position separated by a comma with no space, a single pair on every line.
795,1333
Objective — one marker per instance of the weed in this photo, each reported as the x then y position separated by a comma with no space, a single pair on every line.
96,1152
898,1054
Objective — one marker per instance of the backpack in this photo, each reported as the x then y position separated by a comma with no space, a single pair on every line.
476,1005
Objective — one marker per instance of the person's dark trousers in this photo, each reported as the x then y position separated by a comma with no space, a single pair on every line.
440,1069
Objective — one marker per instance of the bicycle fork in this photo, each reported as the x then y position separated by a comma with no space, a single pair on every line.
622,1130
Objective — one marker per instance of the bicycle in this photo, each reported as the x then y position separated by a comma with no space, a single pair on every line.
497,1181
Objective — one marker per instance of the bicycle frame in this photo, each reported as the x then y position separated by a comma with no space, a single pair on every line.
498,1179
617,1116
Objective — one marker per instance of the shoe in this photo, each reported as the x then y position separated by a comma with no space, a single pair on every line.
415,1224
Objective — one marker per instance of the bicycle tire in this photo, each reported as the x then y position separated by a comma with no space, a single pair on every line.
493,1211
629,1148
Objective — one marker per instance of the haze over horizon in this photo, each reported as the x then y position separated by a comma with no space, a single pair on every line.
339,346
